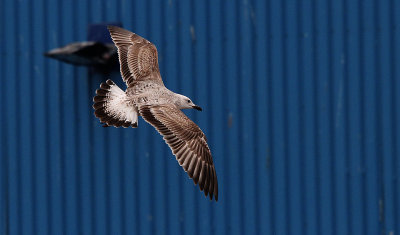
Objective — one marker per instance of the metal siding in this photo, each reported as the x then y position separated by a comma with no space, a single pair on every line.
301,109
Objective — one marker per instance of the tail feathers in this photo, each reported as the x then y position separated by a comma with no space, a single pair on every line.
111,107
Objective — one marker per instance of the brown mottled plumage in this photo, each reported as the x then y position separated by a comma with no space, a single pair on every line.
147,96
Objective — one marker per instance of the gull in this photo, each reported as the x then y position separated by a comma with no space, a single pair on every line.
146,96
87,53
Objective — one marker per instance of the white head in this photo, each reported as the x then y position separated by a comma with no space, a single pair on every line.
183,102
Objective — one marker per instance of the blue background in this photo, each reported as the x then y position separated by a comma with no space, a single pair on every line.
301,107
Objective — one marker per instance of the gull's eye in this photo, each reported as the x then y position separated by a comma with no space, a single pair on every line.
188,101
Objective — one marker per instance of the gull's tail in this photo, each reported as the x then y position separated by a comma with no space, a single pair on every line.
112,108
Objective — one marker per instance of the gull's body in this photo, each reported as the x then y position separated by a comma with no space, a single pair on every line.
147,96
150,93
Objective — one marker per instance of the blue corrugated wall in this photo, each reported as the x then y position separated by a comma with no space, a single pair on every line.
301,109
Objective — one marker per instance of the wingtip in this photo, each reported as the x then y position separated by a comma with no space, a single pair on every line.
215,197
111,27
116,29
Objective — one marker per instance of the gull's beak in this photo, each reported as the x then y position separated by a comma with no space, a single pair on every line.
197,107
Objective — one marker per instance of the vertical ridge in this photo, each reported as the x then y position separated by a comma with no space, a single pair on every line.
209,99
225,119
4,193
301,34
292,116
346,118
331,125
395,104
315,125
255,107
361,117
271,150
241,85
378,120
238,88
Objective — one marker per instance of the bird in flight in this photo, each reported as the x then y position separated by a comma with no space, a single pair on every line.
147,96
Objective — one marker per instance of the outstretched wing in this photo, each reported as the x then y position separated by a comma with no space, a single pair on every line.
187,142
138,57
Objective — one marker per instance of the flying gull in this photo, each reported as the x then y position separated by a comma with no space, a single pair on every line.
147,96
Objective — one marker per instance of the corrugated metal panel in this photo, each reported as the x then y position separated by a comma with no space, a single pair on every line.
301,100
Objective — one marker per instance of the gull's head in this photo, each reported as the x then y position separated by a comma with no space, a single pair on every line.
183,102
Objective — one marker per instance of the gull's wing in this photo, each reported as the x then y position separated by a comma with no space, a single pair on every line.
187,142
138,57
